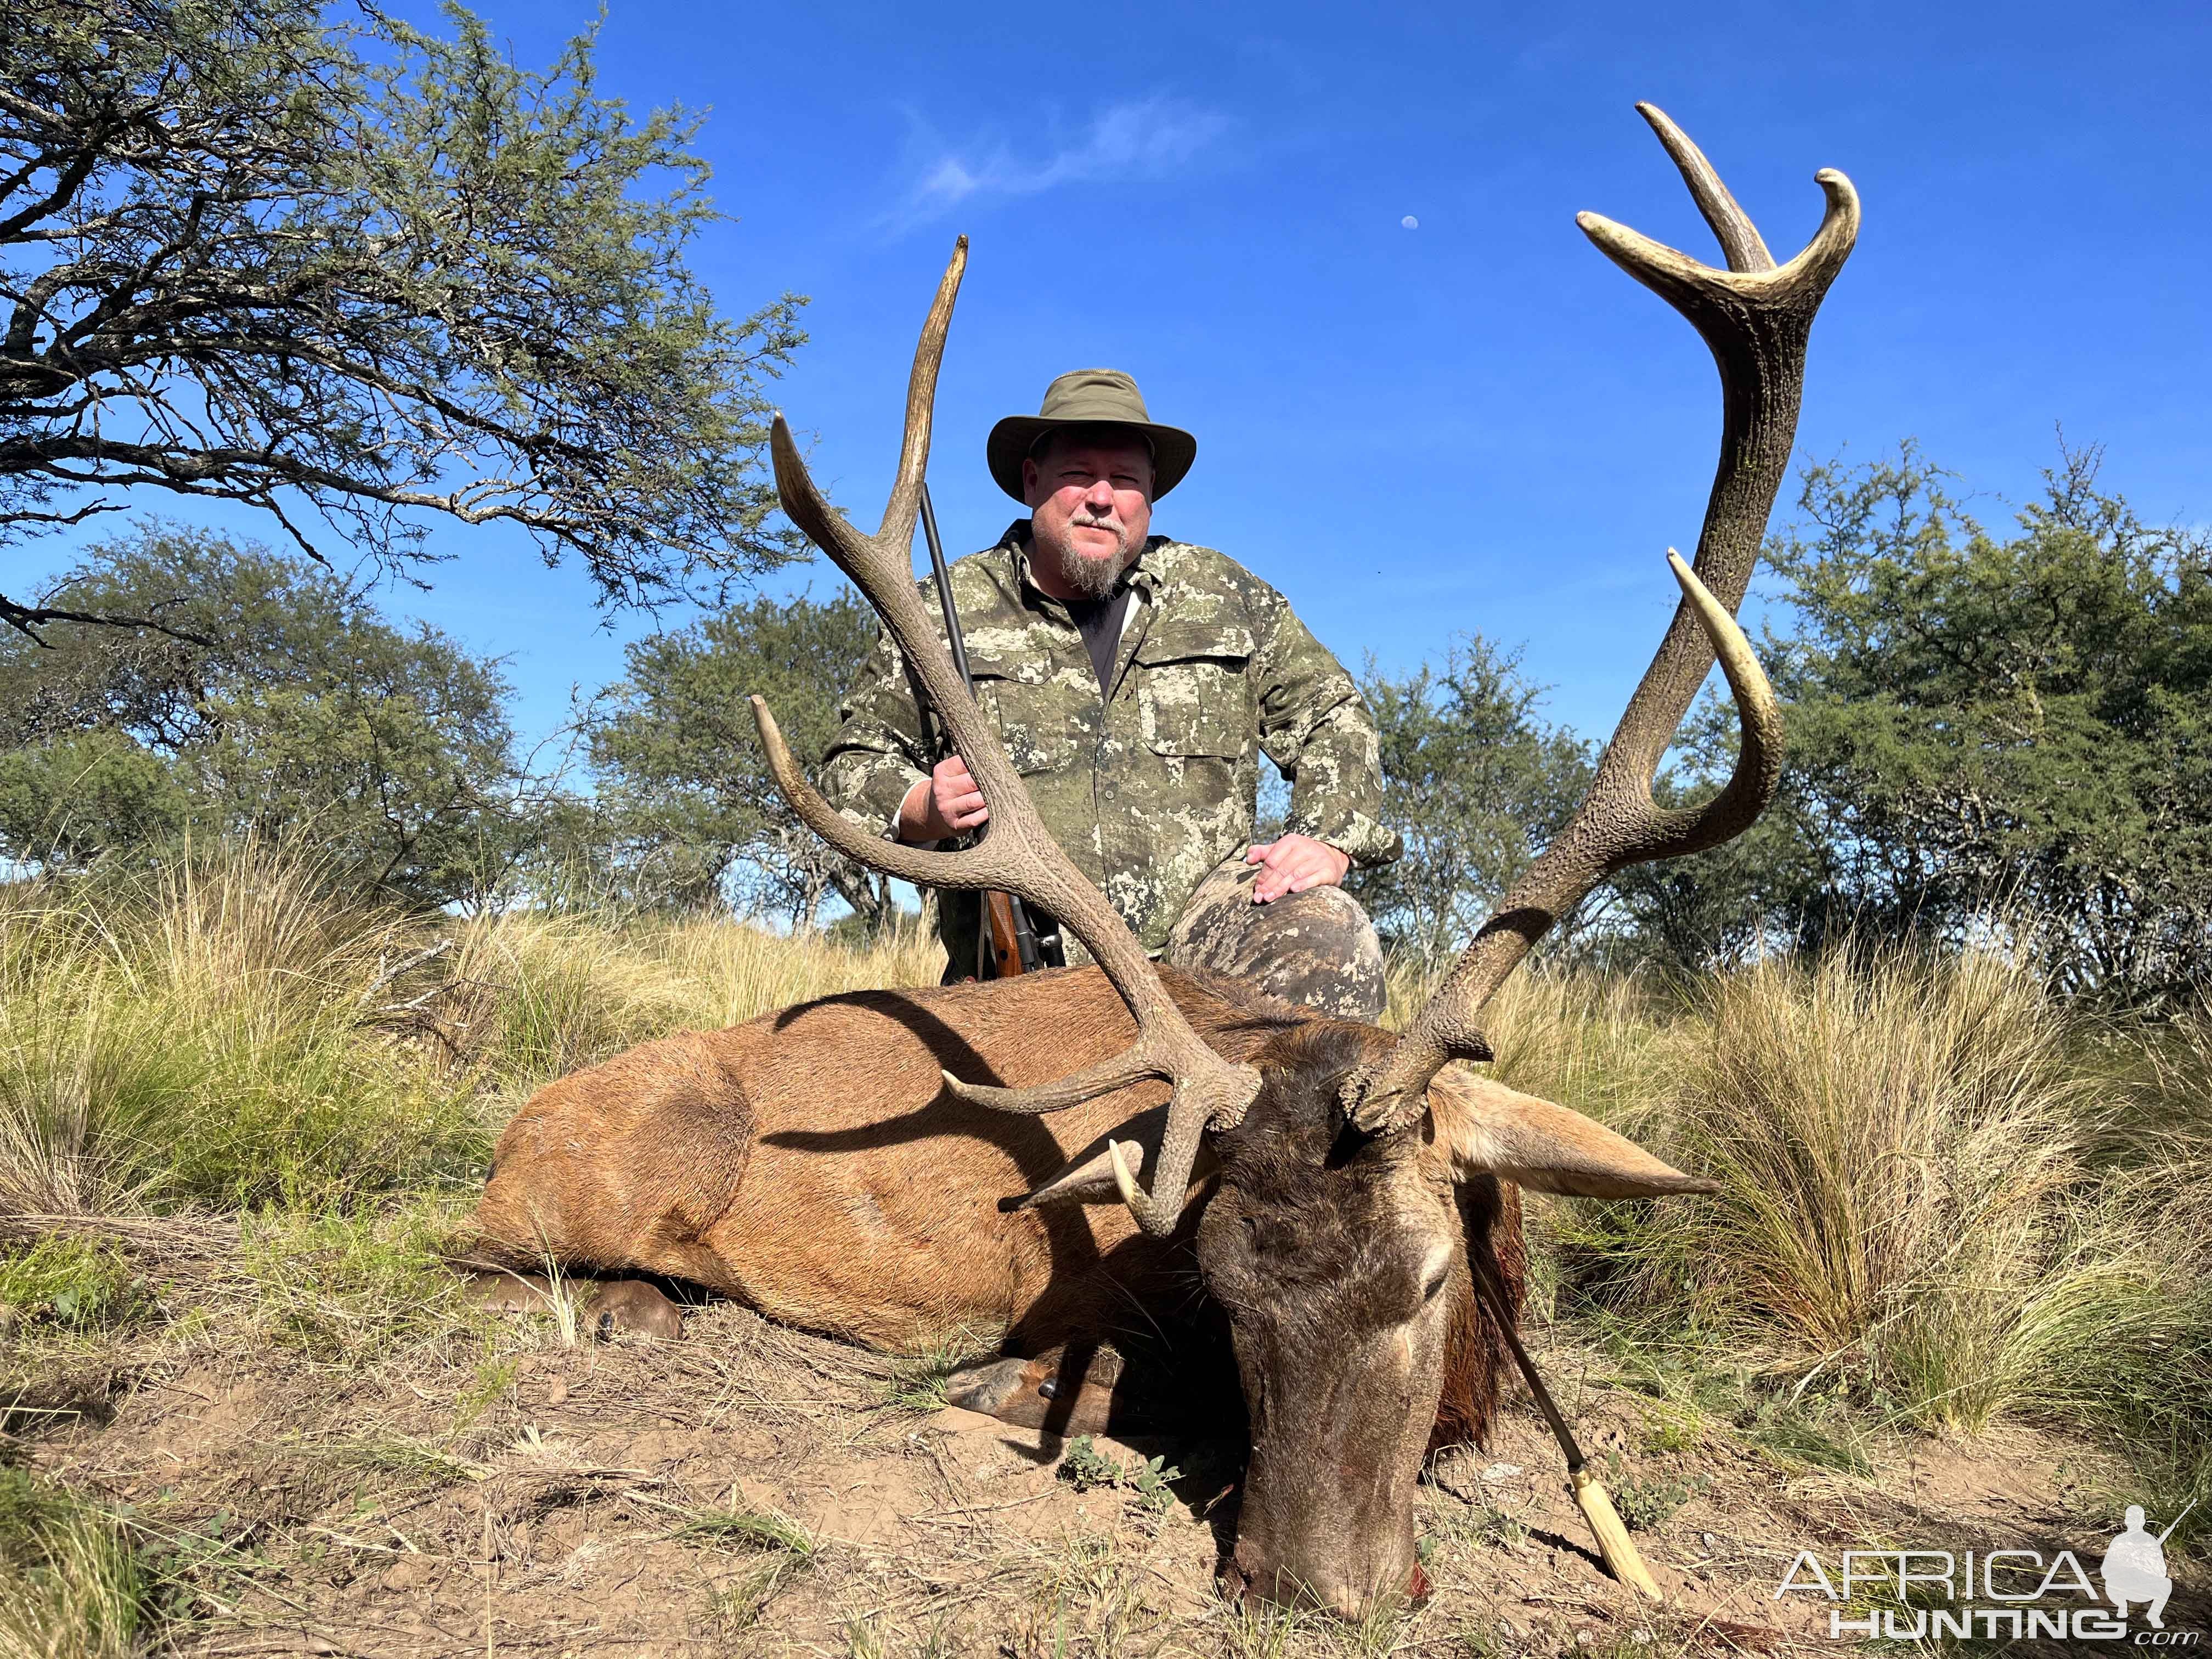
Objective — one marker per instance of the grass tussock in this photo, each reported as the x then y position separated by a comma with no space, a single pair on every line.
193,1035
1945,1198
220,1033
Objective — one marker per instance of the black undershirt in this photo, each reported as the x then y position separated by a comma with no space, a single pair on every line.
1100,619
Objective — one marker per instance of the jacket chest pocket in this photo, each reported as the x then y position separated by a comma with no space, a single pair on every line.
1193,694
1037,716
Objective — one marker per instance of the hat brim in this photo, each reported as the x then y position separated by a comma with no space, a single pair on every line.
1011,440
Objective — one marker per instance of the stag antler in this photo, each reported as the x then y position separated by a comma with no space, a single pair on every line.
1756,316
1017,856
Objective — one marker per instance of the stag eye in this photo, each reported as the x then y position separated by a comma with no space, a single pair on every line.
1436,1272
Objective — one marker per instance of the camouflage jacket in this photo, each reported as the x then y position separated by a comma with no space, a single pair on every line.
1151,788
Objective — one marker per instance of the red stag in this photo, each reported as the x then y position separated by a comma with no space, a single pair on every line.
1275,1208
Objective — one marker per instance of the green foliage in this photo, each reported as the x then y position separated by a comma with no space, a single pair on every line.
1984,731
309,716
690,811
76,1283
376,270
1147,1481
1647,1502
350,1285
1474,782
1086,1467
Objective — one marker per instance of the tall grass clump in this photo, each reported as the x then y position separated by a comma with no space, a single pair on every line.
196,1034
1929,1192
2129,1329
1890,1136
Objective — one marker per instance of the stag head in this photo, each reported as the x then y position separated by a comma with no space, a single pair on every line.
1341,1209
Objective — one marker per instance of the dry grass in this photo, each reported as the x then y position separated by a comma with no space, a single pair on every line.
219,1032
540,996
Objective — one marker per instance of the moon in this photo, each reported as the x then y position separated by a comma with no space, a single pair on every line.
1410,222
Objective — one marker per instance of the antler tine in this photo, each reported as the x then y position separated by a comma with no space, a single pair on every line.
900,511
1741,245
1756,317
1018,855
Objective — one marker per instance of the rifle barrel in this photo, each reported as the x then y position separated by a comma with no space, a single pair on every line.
944,591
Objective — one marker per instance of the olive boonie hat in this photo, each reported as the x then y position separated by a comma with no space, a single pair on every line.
1089,396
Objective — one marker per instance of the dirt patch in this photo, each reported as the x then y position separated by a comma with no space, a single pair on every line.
748,1490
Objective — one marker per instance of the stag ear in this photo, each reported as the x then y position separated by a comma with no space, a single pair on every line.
1089,1176
1485,1128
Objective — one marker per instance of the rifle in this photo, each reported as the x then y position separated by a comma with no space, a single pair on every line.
1007,945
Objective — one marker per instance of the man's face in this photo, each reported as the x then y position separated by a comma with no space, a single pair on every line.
1090,508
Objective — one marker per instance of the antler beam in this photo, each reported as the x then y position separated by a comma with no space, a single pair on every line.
1018,855
1756,317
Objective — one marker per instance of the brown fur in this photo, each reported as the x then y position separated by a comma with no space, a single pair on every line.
1474,1351
810,1163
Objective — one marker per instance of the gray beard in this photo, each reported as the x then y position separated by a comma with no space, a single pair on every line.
1094,579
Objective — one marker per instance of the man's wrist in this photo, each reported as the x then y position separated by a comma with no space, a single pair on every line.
908,823
1323,840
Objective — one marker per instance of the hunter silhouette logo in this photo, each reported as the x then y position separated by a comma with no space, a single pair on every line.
2000,1593
2134,1567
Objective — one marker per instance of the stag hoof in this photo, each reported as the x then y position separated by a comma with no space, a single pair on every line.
514,1293
1060,1392
631,1307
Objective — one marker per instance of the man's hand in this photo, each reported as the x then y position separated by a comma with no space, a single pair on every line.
1294,863
943,805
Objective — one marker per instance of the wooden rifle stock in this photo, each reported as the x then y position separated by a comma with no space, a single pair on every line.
1007,944
1001,946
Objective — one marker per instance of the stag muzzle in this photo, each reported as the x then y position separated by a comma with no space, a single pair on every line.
1327,1515
1347,1558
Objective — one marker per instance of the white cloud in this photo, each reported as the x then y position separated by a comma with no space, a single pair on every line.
1143,139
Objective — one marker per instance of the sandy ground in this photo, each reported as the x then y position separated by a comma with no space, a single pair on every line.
511,1494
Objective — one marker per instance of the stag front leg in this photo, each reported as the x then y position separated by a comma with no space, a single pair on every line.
618,1306
1068,1391
1092,1387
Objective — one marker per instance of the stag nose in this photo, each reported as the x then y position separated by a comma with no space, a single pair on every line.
1251,1585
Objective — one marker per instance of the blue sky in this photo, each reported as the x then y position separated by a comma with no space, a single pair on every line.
1476,424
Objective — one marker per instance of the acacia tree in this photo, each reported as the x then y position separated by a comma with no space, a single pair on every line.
1474,782
311,717
1986,730
253,254
688,804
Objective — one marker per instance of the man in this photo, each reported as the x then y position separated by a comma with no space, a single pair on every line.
1135,680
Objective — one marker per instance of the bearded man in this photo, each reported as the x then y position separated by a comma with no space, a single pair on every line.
1135,680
